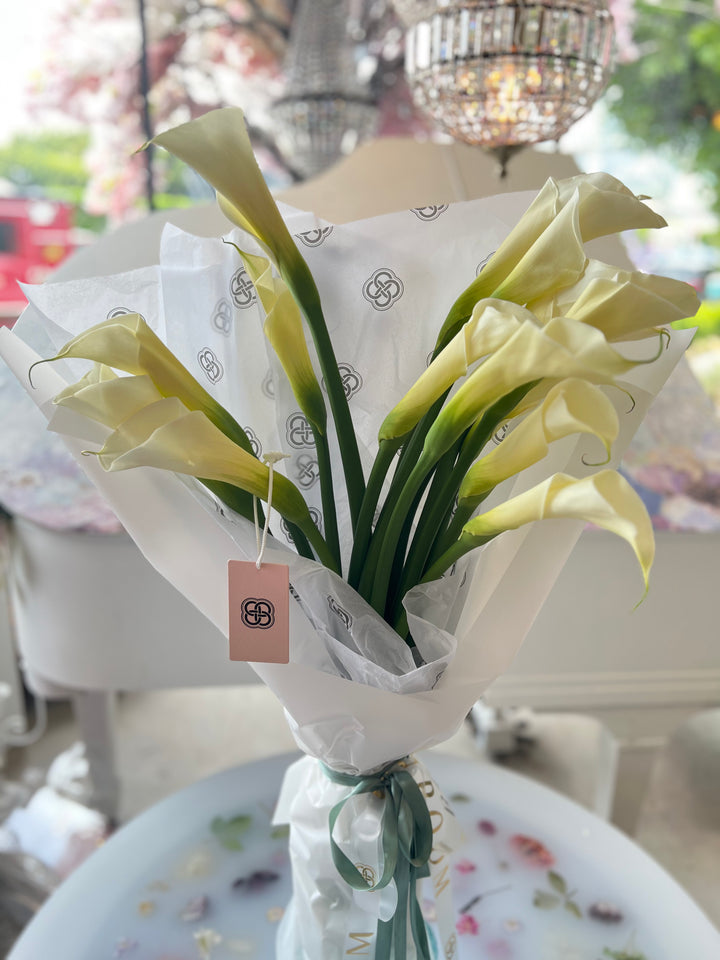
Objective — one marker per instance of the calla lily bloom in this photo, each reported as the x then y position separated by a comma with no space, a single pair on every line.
127,343
217,145
492,323
572,406
605,499
624,304
284,329
103,396
168,436
600,204
563,348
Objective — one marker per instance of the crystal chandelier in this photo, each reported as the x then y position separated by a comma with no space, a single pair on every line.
327,109
506,73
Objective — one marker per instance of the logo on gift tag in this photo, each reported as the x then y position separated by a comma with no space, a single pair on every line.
259,614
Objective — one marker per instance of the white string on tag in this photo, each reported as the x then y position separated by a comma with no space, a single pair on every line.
270,459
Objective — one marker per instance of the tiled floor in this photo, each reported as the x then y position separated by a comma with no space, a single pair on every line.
169,739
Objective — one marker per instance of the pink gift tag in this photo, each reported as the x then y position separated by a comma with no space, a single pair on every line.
259,614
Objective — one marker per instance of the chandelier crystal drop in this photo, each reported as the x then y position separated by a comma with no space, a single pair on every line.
327,109
505,74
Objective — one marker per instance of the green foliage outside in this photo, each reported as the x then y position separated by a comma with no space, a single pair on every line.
707,319
671,93
50,164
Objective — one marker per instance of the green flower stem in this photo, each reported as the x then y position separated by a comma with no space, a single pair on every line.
386,555
448,477
327,494
307,296
300,541
363,529
396,576
317,542
461,516
234,497
437,504
464,544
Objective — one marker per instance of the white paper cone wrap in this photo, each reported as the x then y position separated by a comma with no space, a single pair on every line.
353,696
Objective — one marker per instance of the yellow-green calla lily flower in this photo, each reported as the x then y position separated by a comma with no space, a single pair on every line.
572,406
563,348
127,343
217,145
624,304
605,499
103,396
168,436
540,255
284,329
491,325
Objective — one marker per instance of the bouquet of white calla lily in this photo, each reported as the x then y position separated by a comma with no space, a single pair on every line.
388,658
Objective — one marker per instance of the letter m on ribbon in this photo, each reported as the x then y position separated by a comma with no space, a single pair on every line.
363,942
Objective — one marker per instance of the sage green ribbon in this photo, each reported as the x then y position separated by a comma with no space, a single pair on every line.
406,839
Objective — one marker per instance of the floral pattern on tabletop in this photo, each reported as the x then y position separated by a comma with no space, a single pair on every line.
222,891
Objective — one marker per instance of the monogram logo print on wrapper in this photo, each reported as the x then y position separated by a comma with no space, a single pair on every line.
268,385
316,519
481,265
500,433
350,378
299,432
257,613
313,238
383,289
367,873
431,212
242,289
341,613
210,365
254,442
221,318
451,948
307,472
122,312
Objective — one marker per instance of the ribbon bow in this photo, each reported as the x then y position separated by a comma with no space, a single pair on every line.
406,835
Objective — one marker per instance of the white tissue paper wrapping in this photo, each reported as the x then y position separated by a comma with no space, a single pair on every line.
352,694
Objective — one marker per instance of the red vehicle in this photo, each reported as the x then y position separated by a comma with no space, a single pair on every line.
35,236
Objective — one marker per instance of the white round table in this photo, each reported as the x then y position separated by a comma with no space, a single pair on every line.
204,874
